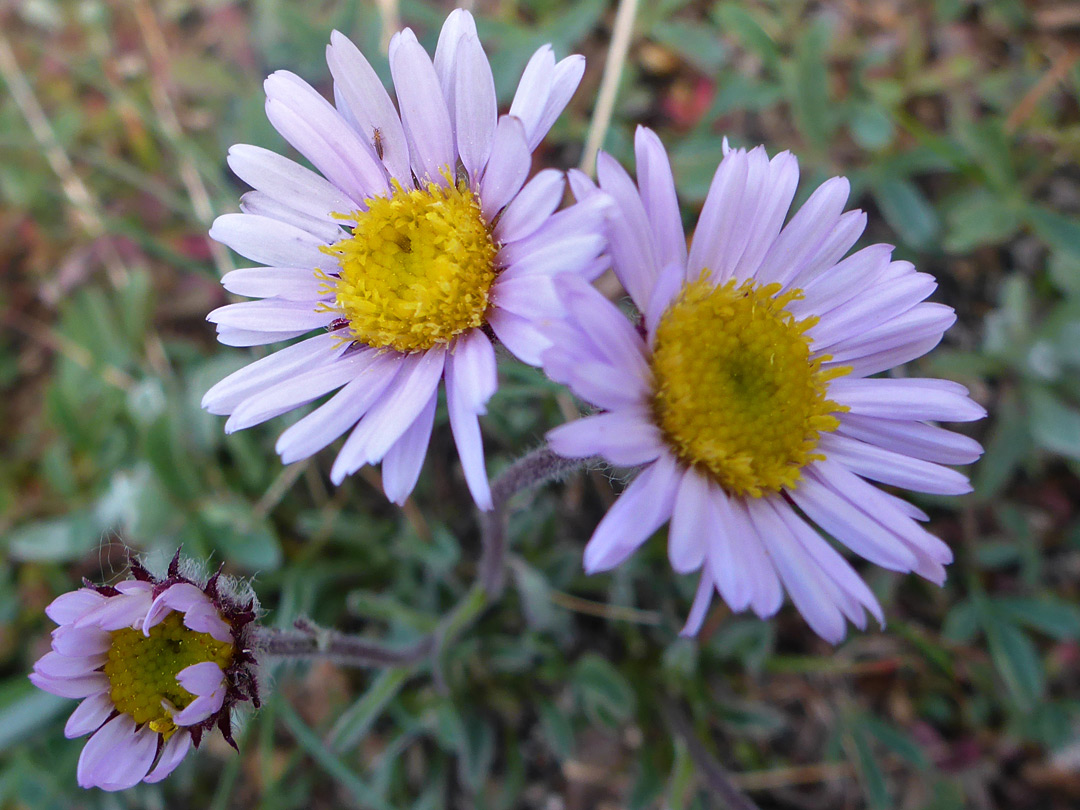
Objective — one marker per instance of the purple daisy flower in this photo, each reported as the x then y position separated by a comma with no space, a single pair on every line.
419,244
745,394
156,664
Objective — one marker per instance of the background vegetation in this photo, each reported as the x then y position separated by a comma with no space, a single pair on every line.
958,124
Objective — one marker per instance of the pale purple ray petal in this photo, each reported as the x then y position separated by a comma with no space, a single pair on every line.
206,619
402,463
181,596
779,190
172,753
89,715
850,525
583,220
915,399
882,508
553,257
317,131
581,185
915,439
527,295
631,243
460,404
658,197
301,388
424,113
522,337
641,509
320,427
700,607
391,416
271,312
73,605
805,234
727,557
719,214
756,195
885,359
669,283
459,24
531,208
893,468
71,687
507,167
288,181
472,358
75,641
201,679
830,561
870,309
223,397
625,438
288,283
476,111
843,281
832,248
609,330
533,92
369,104
564,83
126,610
597,382
922,322
325,229
242,338
269,241
134,586
54,665
766,592
99,749
690,522
130,762
798,572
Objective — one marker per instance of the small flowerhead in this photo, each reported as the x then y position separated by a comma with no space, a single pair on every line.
157,664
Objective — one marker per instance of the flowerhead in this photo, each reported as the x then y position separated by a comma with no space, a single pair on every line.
156,663
746,391
415,245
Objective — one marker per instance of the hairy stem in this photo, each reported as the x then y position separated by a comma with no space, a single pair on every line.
310,641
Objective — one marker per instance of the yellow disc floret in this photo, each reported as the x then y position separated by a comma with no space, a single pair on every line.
142,669
738,394
417,269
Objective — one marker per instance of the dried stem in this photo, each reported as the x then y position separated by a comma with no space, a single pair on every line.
717,779
609,82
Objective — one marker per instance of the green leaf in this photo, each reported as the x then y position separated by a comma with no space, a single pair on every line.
979,217
907,210
1016,659
603,691
810,98
871,126
1055,425
24,709
61,539
1058,619
242,536
733,18
356,721
1061,232
698,44
558,733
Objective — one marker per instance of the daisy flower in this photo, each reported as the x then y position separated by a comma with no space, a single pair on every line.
746,392
416,244
156,663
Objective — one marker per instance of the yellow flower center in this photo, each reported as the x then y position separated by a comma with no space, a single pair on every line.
737,393
417,269
142,669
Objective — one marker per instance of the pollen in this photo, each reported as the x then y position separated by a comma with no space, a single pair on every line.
738,394
142,669
416,270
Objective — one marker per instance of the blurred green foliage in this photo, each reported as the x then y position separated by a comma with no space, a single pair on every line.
958,124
